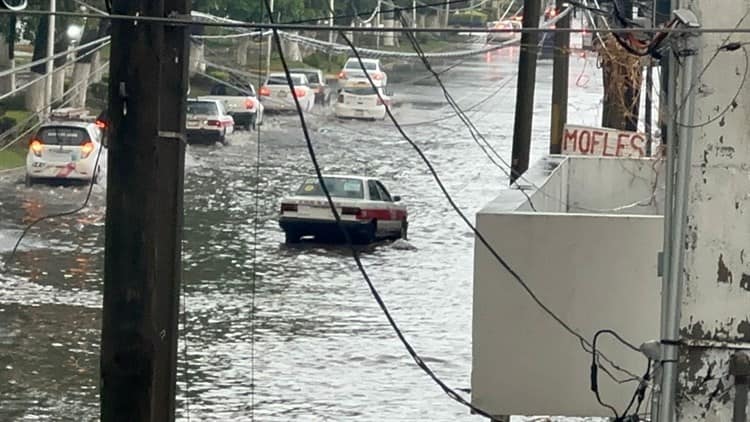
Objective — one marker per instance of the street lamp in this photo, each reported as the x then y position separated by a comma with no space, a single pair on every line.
74,33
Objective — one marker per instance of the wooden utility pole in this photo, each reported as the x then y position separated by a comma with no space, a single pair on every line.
525,93
148,83
560,75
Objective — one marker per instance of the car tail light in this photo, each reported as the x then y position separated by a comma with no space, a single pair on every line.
341,98
36,147
288,207
377,76
249,104
101,124
342,75
351,211
87,148
265,91
213,123
299,92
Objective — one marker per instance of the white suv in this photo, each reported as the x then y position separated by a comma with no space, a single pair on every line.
352,72
66,150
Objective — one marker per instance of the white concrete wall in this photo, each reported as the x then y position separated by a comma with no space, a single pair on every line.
595,271
617,185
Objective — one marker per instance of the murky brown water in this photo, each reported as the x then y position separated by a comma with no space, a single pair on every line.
323,350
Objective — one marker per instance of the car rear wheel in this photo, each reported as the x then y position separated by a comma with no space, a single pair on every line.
404,230
370,234
28,181
291,237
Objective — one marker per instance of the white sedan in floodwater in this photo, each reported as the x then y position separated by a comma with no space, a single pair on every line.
360,101
368,211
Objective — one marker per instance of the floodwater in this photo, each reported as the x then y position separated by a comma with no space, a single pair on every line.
321,349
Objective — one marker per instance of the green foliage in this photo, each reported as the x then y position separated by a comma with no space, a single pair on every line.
472,18
16,102
320,61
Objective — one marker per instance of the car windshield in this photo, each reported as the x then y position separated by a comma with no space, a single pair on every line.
312,77
365,90
338,187
232,90
61,135
281,80
354,64
202,107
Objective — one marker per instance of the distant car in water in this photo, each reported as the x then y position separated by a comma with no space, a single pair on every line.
317,82
501,37
66,150
276,96
207,122
240,101
352,72
358,100
368,211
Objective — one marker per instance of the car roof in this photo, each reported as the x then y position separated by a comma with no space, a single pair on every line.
64,123
363,59
343,176
301,70
283,75
201,100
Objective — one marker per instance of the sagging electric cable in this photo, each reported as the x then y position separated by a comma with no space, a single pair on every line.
640,390
519,280
11,257
480,140
355,254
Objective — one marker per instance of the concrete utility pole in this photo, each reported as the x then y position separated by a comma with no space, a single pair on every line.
50,53
714,317
142,265
268,51
560,75
447,12
525,92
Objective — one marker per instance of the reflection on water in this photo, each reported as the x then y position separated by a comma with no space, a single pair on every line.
323,350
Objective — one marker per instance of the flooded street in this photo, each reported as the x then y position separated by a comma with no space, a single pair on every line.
322,349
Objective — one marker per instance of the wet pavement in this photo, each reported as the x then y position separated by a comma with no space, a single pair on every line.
322,349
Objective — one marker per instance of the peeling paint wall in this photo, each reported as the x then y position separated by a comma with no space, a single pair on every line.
716,294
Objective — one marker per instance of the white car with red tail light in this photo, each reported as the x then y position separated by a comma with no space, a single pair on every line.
240,101
207,122
352,72
358,100
276,96
67,151
368,211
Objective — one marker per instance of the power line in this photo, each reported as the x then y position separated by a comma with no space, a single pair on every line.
473,131
85,203
184,21
476,232
415,356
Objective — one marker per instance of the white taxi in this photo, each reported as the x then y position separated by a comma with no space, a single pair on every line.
352,72
207,122
276,96
66,150
368,212
358,100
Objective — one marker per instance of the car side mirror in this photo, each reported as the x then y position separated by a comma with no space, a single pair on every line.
396,198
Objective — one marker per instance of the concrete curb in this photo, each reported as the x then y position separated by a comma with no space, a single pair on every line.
11,170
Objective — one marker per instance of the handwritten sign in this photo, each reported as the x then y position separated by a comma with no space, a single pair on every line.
582,140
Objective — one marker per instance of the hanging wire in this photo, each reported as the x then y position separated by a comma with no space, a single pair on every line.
256,229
